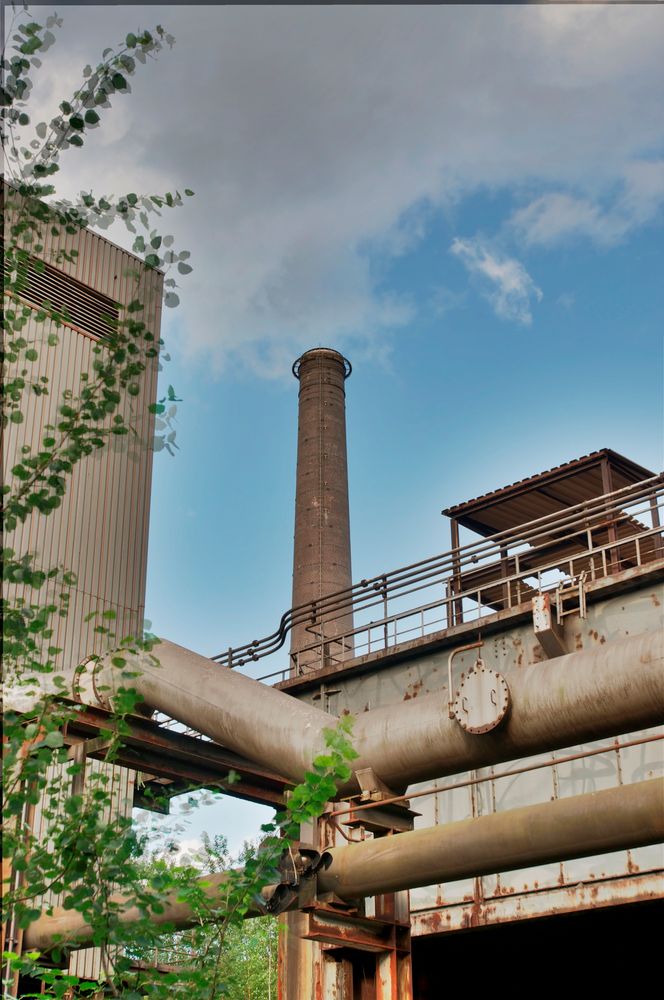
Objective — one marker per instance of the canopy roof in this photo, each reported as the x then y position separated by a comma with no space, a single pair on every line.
547,492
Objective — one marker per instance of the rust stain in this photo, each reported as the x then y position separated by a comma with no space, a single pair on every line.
578,641
602,639
655,600
434,921
413,690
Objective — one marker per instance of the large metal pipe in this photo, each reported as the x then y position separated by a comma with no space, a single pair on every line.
321,552
616,688
579,826
615,819
263,724
71,929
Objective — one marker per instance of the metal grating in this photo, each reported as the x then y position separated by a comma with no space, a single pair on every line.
84,308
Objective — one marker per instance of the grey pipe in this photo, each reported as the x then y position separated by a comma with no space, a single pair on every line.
613,689
606,691
611,820
73,931
615,819
261,723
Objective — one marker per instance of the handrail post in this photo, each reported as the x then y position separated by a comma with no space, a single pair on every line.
657,537
607,486
384,588
457,606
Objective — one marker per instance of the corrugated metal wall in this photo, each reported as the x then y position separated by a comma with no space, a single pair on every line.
100,532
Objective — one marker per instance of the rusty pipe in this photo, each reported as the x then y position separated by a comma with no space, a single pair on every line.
628,816
615,819
606,691
613,689
261,723
70,929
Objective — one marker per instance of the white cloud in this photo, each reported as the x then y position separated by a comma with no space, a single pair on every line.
557,216
505,281
311,132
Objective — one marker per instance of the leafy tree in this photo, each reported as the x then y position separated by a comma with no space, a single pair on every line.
86,857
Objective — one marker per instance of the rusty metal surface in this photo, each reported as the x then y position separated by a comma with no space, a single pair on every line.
354,812
336,927
419,656
573,827
553,705
538,495
544,902
182,761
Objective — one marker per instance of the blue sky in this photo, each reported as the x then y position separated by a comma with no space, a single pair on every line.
466,201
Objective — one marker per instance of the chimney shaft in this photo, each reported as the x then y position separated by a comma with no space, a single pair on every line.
321,561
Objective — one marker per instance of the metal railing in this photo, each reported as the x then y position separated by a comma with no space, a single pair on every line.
591,540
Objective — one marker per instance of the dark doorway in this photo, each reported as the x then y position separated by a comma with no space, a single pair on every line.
593,950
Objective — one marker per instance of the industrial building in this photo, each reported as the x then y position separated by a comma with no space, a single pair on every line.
506,696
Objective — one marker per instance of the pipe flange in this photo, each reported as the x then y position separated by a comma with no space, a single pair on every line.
482,700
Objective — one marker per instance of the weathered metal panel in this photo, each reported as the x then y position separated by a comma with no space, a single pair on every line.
616,617
100,531
548,902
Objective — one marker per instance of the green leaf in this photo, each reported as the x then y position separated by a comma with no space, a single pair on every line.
77,123
189,192
91,117
16,417
119,81
54,740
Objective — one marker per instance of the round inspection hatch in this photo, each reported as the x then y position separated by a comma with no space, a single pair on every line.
482,700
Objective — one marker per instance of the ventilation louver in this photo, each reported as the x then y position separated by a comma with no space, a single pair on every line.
84,307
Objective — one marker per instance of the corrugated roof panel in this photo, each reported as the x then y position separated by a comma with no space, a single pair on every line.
547,492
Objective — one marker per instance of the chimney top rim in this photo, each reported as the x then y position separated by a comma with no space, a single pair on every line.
328,353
